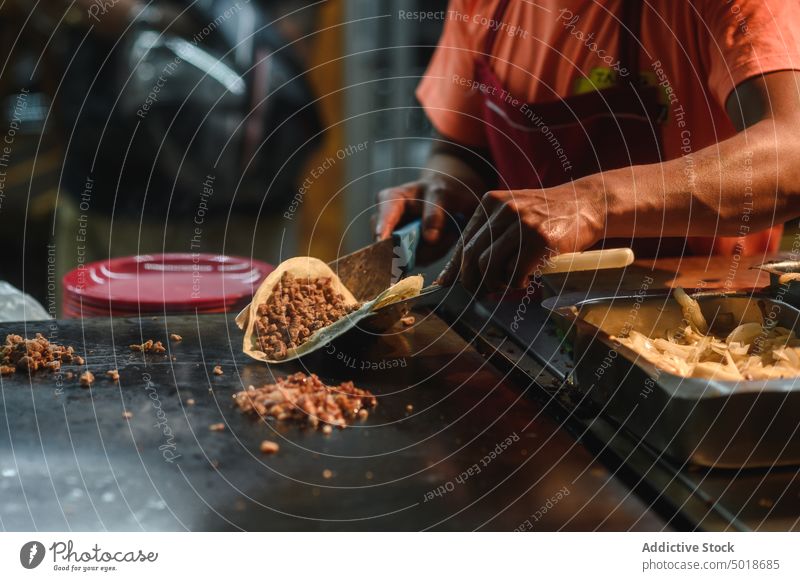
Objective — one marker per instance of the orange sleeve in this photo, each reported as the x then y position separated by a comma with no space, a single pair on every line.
749,38
445,92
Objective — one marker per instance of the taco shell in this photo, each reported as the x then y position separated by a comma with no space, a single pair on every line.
309,267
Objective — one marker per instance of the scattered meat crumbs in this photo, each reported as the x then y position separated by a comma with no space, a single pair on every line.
190,401
305,399
409,320
113,374
86,378
268,447
218,370
218,427
295,310
127,415
327,474
149,346
175,337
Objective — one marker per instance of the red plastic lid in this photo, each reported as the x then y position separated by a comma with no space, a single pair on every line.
172,282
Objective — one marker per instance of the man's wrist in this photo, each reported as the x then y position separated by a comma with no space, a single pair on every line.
456,173
604,205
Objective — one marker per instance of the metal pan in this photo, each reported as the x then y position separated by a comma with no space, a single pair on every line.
714,423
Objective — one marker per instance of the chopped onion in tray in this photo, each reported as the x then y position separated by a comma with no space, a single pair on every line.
745,334
750,351
691,311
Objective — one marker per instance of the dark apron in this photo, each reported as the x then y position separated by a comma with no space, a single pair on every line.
541,145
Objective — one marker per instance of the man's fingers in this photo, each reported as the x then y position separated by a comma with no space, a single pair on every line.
530,264
485,239
450,271
454,266
433,216
511,260
494,261
392,204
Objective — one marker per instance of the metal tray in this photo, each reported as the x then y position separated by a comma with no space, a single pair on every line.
723,424
788,291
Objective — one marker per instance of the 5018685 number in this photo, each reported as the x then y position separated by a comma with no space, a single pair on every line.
756,564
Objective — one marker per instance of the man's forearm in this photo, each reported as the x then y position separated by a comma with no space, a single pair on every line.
462,164
743,184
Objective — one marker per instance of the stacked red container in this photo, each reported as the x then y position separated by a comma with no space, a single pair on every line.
172,283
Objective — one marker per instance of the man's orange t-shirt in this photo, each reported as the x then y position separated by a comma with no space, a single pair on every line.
697,50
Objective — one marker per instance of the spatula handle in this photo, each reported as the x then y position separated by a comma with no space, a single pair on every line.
590,260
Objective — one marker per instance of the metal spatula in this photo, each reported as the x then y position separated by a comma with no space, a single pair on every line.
606,258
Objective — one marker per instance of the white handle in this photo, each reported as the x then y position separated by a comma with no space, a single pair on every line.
591,260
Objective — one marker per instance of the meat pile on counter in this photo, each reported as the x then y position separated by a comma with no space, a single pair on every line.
20,354
295,310
305,399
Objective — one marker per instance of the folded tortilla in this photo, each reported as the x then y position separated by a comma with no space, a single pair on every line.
309,267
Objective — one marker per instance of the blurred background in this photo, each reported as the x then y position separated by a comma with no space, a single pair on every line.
261,129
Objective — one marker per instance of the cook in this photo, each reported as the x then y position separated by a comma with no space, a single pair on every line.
668,126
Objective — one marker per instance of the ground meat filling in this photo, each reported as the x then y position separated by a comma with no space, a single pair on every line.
295,310
306,400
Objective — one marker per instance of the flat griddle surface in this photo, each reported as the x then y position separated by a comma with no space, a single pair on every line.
69,461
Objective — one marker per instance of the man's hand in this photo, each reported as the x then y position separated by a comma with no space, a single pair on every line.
512,231
436,198
452,183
